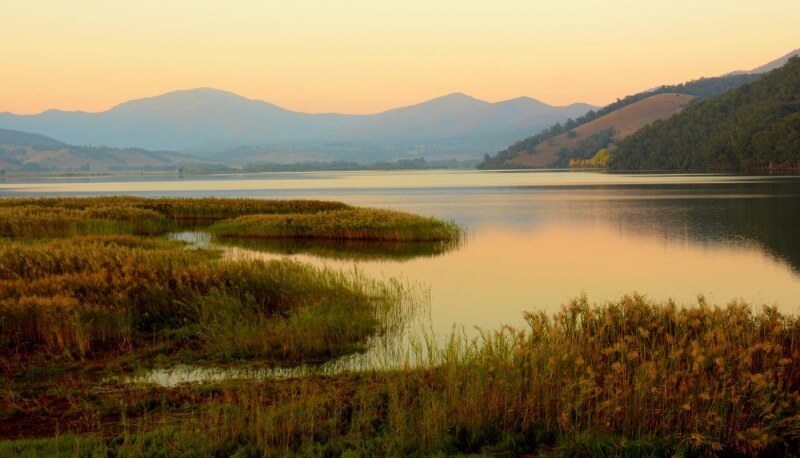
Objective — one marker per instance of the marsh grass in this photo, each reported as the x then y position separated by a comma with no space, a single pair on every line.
247,218
94,297
65,217
627,378
82,298
79,280
349,224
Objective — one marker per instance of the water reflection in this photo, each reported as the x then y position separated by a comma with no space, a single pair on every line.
193,239
353,250
538,239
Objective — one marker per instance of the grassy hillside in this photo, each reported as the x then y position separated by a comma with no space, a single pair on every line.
753,127
701,88
579,143
28,152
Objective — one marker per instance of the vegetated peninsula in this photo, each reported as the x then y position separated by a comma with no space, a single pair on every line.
753,127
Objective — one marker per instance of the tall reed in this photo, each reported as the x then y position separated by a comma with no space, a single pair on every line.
88,297
630,377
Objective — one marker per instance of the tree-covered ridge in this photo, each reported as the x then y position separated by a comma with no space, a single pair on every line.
586,148
753,127
702,88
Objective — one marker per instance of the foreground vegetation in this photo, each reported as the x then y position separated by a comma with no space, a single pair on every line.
88,298
80,281
94,298
624,378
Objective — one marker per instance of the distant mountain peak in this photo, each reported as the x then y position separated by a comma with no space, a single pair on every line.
189,94
523,101
456,97
523,98
457,94
196,100
209,120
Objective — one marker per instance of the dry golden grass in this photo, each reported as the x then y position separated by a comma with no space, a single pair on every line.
625,122
630,378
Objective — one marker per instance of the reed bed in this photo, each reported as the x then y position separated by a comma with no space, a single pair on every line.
217,208
93,297
349,224
79,280
628,378
66,217
247,218
181,208
84,294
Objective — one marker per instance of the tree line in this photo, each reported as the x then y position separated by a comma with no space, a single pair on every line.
702,88
753,127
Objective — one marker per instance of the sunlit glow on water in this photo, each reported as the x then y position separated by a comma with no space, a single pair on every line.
499,273
350,180
537,239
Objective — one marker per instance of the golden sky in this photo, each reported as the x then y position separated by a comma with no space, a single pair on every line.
365,56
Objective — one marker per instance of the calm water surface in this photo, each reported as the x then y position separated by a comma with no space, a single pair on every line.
537,239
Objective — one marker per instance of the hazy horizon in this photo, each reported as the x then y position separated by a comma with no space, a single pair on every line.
354,58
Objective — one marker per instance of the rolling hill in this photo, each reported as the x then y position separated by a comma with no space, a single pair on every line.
209,121
536,151
582,137
623,122
27,152
15,137
753,127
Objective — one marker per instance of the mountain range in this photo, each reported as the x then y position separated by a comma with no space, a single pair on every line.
208,126
213,123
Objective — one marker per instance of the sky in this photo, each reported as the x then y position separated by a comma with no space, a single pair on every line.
367,56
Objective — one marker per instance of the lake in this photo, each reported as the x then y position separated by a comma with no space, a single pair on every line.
537,239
